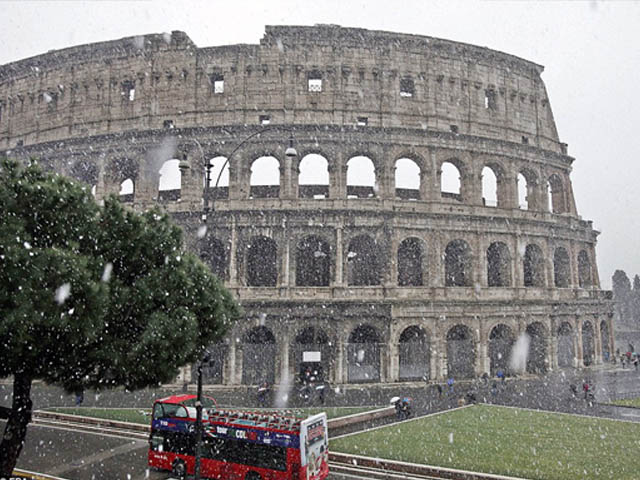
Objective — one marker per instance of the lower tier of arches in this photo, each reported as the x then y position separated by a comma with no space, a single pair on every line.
368,344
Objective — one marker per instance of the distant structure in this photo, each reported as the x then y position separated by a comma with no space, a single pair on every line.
626,312
427,221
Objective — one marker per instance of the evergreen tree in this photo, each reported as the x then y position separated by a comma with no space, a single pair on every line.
93,297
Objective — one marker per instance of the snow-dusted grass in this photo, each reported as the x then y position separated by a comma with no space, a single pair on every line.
628,402
139,415
508,441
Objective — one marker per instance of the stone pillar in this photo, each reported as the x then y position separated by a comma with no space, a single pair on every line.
394,363
106,184
471,183
578,344
339,368
479,273
553,347
434,184
337,177
233,263
437,259
339,258
284,264
286,178
517,247
597,342
229,374
236,179
191,180
284,362
574,281
434,358
239,366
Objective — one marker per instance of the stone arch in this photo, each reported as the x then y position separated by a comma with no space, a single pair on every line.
219,170
264,181
361,177
215,254
451,180
523,192
213,366
313,176
605,341
557,193
258,356
127,190
501,340
312,348
494,186
566,349
364,262
170,181
410,260
533,266
588,344
408,177
458,264
538,339
262,262
584,269
413,354
461,352
86,172
363,355
498,265
561,268
313,262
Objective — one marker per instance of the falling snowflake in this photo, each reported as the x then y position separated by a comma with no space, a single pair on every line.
106,273
62,293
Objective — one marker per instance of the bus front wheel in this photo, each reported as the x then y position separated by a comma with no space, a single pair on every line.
252,476
179,469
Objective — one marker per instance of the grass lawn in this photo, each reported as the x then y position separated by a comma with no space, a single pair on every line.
628,402
507,441
137,415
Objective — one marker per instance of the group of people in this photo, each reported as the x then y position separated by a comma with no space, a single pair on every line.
629,358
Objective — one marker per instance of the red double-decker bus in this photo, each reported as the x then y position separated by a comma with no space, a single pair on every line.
238,444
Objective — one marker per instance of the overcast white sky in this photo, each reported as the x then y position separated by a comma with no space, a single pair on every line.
590,50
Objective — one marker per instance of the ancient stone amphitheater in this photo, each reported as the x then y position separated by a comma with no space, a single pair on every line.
424,224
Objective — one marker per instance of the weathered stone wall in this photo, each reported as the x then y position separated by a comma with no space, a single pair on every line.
411,90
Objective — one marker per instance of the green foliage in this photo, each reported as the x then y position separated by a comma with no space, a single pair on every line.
138,305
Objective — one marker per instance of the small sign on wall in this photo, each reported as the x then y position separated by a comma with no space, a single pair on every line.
311,356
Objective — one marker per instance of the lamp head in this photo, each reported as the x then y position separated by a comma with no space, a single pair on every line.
183,166
290,151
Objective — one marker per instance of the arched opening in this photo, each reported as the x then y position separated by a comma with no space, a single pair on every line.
605,341
413,354
311,355
214,254
313,262
407,179
212,366
561,268
450,181
584,269
410,258
258,357
218,172
457,264
558,204
461,352
501,340
498,265
533,266
588,344
523,192
313,179
566,352
361,178
170,181
262,264
127,191
537,359
489,187
265,178
363,355
364,262
85,172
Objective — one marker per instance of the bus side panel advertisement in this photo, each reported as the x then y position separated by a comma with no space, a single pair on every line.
314,444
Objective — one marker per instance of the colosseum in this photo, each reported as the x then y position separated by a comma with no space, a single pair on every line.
386,207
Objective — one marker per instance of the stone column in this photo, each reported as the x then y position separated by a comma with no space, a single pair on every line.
239,366
597,342
578,344
339,281
284,264
233,263
479,263
434,358
394,363
437,267
574,281
284,362
229,376
471,183
434,184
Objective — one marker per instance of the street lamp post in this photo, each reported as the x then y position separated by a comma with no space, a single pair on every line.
290,152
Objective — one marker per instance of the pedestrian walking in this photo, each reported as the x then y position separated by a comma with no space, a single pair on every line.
79,397
450,383
439,388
